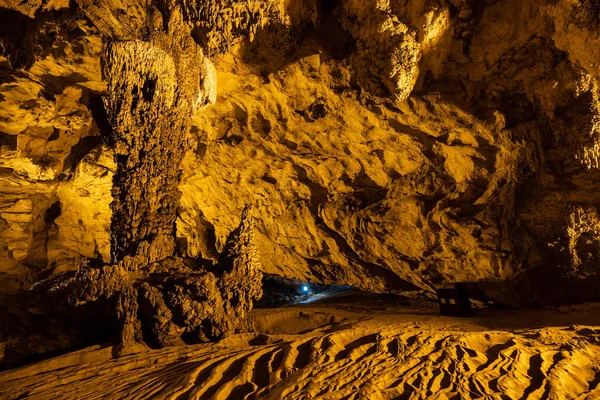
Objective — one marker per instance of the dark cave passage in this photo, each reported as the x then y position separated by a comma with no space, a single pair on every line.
280,292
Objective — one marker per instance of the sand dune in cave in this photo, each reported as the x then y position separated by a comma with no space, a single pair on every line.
356,347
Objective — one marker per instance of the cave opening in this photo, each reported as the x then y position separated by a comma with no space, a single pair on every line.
329,32
279,291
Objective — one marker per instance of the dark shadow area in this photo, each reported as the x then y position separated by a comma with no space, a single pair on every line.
36,327
22,362
276,45
329,33
356,300
9,142
80,150
485,316
569,317
54,85
25,39
280,292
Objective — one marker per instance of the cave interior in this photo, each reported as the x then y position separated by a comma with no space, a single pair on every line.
300,199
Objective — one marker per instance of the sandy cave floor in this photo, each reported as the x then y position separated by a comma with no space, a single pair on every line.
350,346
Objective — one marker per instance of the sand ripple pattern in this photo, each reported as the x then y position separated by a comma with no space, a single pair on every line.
347,364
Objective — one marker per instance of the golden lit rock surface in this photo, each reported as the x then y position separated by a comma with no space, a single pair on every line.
143,292
472,178
393,146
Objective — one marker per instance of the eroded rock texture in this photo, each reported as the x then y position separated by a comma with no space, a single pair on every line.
173,301
481,175
164,303
146,293
152,90
389,145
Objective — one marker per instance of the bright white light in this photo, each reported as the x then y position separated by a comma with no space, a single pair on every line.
305,288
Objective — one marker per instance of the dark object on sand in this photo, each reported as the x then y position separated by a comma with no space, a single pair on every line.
454,300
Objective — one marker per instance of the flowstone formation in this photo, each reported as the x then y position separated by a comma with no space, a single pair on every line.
391,145
146,293
153,87
169,302
152,90
172,301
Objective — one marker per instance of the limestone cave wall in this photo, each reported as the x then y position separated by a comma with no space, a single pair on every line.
389,145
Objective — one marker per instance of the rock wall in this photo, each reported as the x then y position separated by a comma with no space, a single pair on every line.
144,293
388,145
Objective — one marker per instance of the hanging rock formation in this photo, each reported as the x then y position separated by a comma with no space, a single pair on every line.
146,293
152,90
